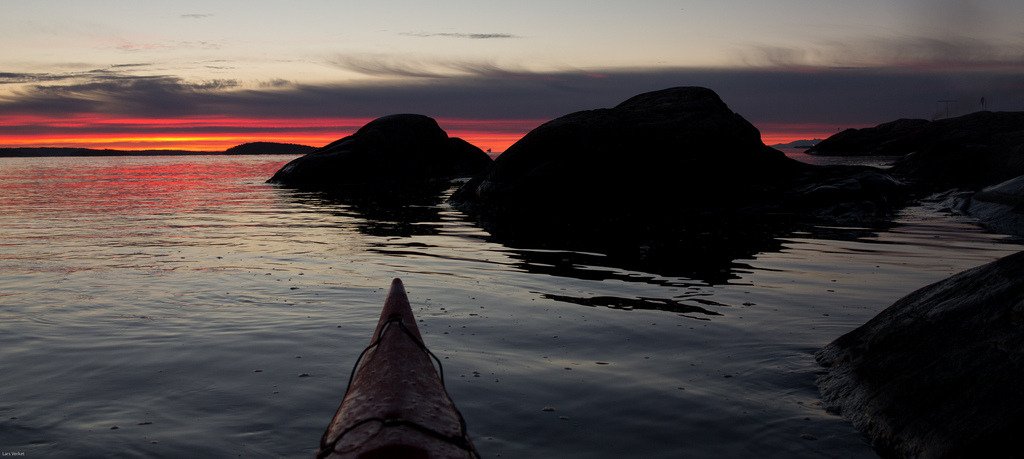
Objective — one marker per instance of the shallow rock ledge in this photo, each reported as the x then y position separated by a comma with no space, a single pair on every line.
938,373
1000,207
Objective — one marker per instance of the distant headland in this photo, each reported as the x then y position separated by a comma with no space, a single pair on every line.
251,148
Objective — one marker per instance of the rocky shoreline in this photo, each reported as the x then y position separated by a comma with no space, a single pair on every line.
676,175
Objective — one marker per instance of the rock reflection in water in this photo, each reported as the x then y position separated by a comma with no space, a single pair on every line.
699,255
663,304
709,253
394,214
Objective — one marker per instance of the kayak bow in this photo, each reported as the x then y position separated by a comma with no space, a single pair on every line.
396,404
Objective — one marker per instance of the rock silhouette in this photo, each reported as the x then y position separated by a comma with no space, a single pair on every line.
670,181
937,374
895,138
968,152
999,207
269,148
392,152
677,156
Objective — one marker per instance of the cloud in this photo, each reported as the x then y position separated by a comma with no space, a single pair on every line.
126,66
907,51
471,36
101,91
931,34
21,77
275,83
130,46
196,15
385,66
133,46
389,66
846,97
945,18
87,73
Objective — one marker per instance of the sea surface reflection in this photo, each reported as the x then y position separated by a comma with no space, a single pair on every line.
180,306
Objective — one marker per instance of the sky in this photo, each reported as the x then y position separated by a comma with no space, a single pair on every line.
208,75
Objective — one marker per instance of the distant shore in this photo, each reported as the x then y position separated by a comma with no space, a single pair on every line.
64,152
254,148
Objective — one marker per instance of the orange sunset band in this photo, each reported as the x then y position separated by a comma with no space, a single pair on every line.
217,133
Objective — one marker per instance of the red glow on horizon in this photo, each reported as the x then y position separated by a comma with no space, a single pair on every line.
204,142
87,120
778,133
218,133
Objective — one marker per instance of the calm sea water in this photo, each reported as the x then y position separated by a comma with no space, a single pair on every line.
171,306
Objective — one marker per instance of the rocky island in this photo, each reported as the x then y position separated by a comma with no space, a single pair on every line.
389,153
269,148
672,181
970,151
678,157
976,158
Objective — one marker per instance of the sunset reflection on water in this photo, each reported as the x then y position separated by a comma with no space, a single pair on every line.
180,298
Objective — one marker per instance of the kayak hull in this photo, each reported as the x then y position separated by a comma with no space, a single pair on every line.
396,404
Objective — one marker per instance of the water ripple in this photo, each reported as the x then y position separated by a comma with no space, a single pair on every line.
180,298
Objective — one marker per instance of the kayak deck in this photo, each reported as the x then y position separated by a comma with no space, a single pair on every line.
396,404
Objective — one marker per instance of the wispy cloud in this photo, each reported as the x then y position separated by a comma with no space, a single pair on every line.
930,34
196,15
275,83
130,46
21,77
471,36
910,52
133,65
390,66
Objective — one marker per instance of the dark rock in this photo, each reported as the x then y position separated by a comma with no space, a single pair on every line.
269,148
802,144
671,182
654,146
1009,193
406,151
937,374
999,207
844,194
970,151
895,138
673,157
466,159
